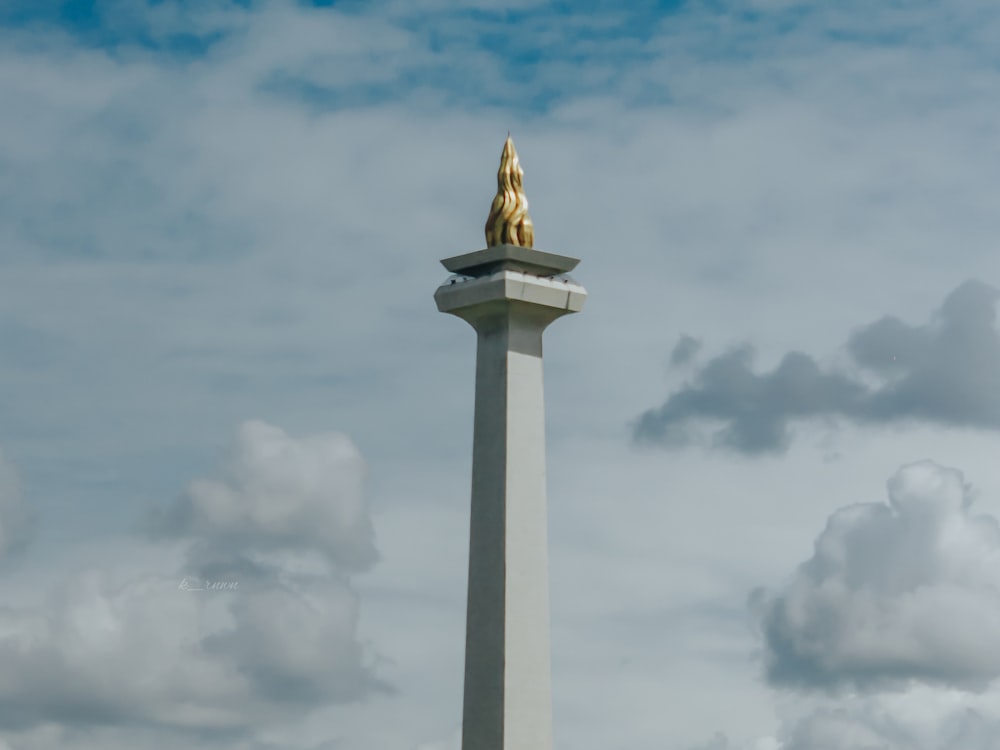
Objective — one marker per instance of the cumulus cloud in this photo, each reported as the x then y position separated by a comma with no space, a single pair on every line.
99,663
278,493
894,593
17,523
942,372
259,625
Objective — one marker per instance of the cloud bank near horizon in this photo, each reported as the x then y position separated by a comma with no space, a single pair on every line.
287,522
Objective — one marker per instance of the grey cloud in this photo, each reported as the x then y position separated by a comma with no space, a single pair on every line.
893,594
947,369
684,350
757,407
942,372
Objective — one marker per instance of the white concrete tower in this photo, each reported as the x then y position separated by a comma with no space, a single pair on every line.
509,293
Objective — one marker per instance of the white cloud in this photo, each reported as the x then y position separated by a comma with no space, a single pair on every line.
893,593
96,654
280,493
269,639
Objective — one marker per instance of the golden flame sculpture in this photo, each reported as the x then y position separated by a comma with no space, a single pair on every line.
508,222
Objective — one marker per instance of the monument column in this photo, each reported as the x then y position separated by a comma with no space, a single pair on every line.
509,293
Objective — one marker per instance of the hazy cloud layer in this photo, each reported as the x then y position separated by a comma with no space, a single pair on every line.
454,742
131,737
718,742
895,593
259,634
943,372
864,723
16,521
212,209
875,727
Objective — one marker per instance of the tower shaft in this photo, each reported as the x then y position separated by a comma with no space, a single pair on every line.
507,701
507,663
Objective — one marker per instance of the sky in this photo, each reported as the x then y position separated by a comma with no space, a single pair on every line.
235,433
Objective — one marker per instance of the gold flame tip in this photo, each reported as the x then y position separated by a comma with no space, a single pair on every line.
508,222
